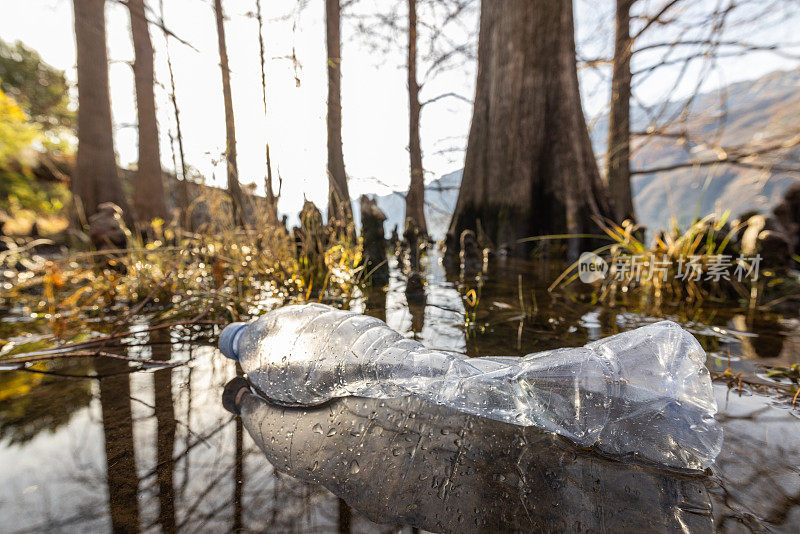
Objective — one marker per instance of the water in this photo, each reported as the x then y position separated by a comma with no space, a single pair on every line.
153,449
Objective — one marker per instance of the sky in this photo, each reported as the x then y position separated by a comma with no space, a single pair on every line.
374,89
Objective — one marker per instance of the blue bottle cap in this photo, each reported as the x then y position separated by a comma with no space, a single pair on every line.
229,340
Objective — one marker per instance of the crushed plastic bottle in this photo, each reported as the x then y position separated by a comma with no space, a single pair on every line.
644,393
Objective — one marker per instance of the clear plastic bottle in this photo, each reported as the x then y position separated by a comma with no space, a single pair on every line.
644,393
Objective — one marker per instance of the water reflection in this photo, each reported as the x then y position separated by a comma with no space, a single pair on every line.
456,473
155,451
25,401
121,475
166,428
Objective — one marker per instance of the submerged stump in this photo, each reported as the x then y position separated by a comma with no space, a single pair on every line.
376,268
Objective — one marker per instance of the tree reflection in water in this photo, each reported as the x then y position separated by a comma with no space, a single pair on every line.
153,449
121,475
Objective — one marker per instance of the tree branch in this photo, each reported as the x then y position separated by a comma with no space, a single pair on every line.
446,95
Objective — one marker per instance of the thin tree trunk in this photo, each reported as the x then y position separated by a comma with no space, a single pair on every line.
271,198
272,201
234,189
148,192
619,130
415,199
529,168
183,185
338,194
95,179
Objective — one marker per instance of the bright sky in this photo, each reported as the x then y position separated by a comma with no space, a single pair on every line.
374,92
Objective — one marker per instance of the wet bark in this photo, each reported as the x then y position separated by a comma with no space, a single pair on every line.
619,130
415,199
529,167
148,192
95,179
376,267
234,189
338,194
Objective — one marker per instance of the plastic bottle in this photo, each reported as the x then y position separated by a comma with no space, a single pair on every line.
644,393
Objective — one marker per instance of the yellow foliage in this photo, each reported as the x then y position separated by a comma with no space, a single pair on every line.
16,133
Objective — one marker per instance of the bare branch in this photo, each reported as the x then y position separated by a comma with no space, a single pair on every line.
446,95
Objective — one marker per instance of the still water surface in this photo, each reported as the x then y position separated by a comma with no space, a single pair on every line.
88,445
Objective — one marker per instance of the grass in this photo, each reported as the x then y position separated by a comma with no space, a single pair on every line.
175,276
706,242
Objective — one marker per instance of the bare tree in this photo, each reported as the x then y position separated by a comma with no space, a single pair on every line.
339,195
677,35
183,187
234,189
619,139
272,200
529,167
148,192
438,37
415,199
95,179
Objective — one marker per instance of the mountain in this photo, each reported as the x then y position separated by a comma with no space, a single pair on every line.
751,111
440,202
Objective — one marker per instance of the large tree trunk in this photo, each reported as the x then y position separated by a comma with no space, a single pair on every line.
619,131
148,192
338,194
234,189
95,179
415,199
529,167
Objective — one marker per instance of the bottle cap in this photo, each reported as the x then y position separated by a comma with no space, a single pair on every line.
229,340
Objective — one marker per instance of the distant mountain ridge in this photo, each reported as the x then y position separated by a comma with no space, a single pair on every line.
755,109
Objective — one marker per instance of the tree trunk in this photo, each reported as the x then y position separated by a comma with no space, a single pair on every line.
95,179
272,201
234,189
183,186
619,130
148,193
529,167
338,194
415,199
373,236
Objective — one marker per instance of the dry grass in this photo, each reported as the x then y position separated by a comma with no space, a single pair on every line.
218,273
